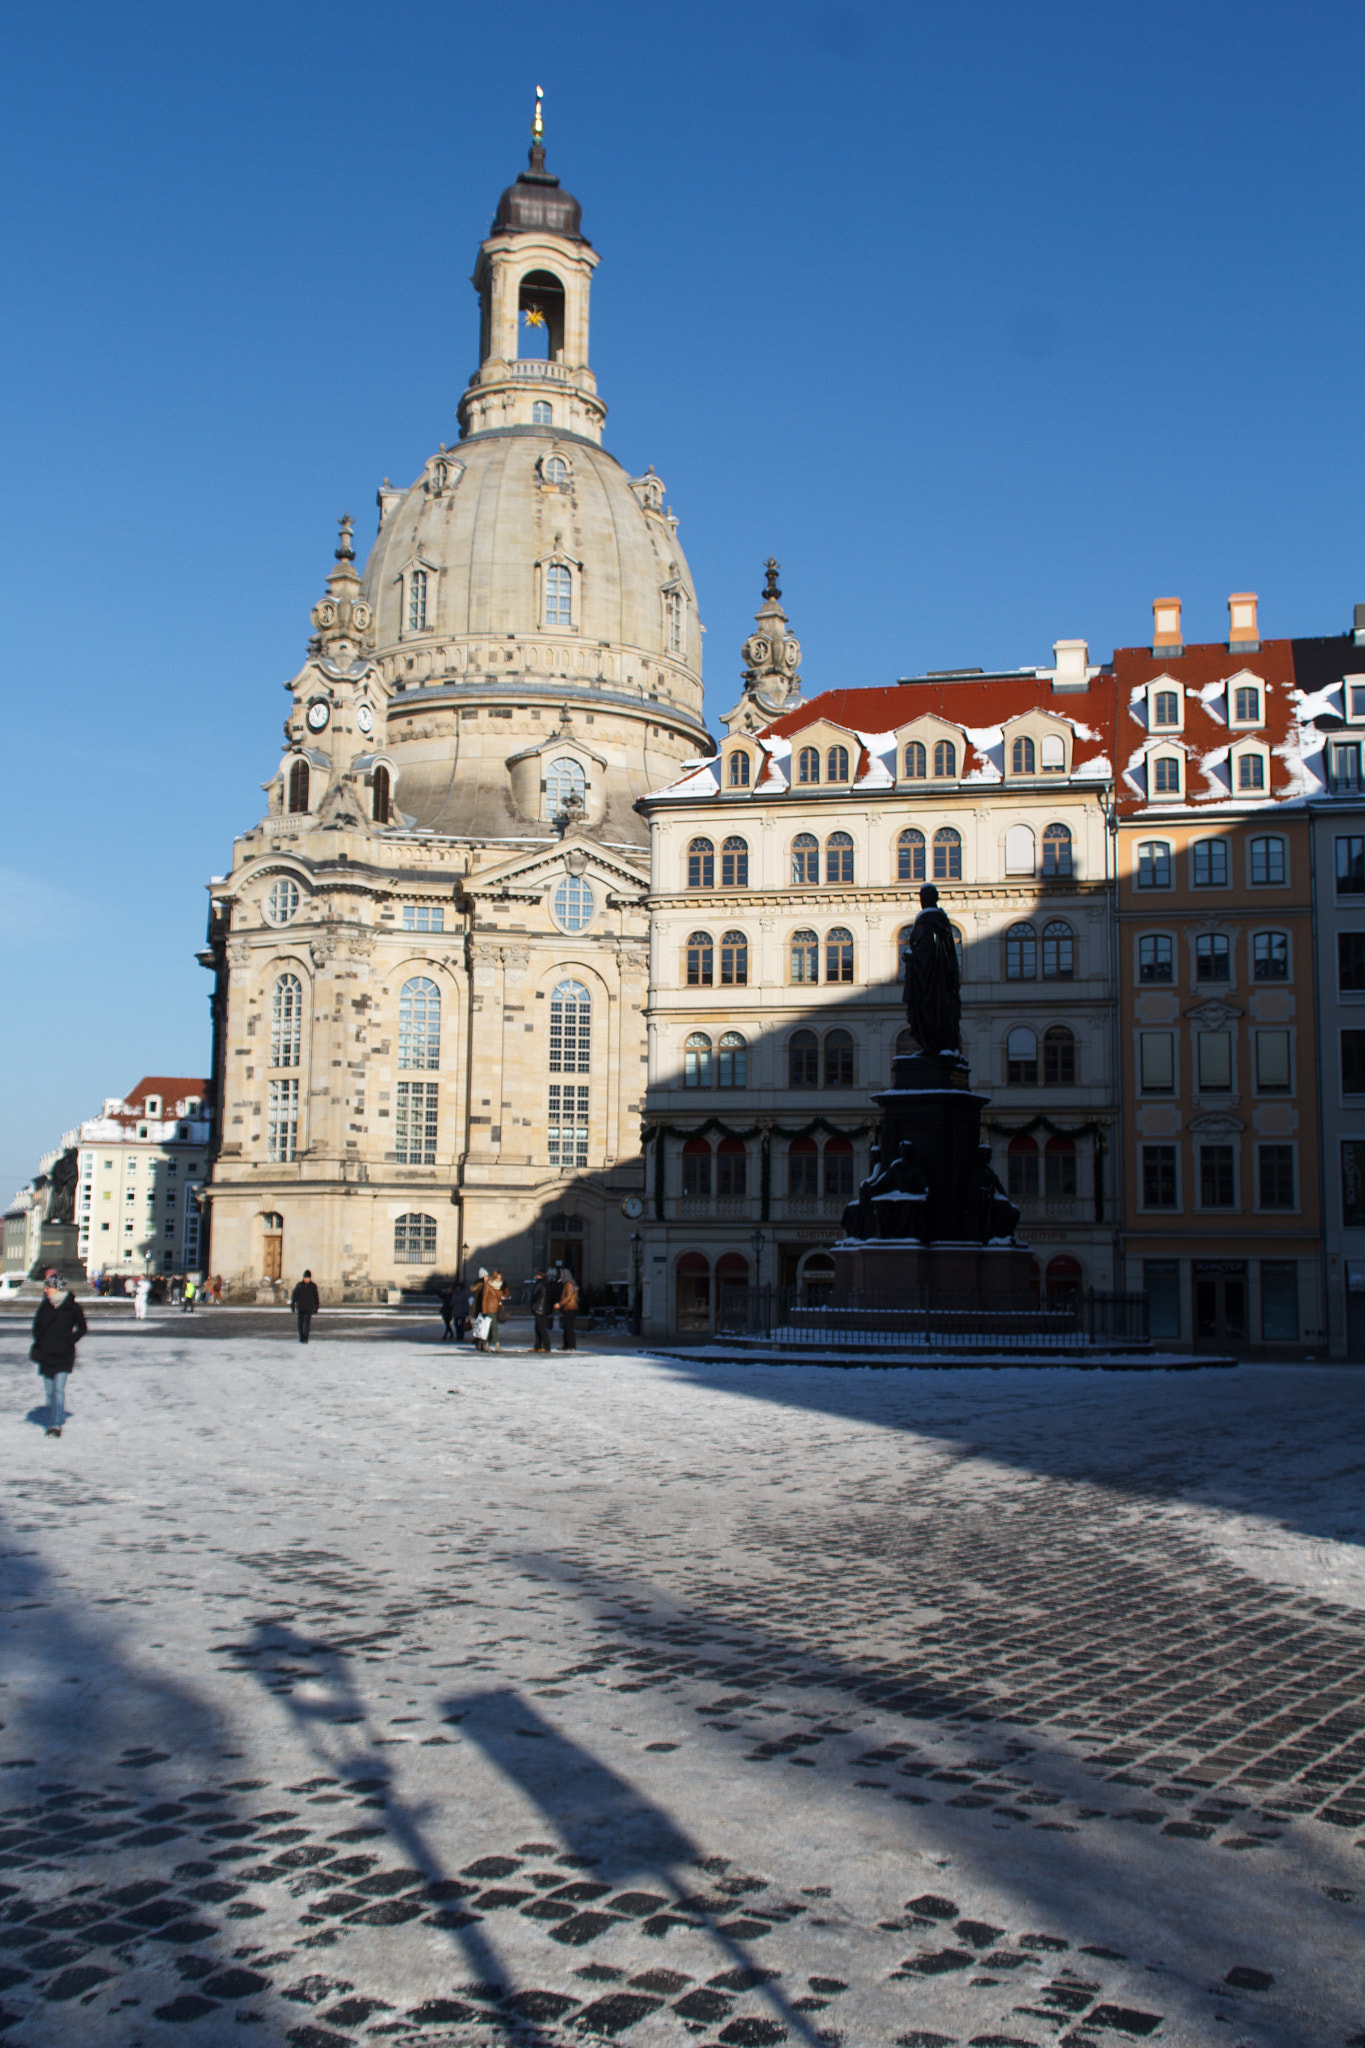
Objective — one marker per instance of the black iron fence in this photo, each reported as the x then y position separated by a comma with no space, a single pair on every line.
931,1318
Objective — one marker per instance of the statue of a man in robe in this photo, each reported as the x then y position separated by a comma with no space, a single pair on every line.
931,984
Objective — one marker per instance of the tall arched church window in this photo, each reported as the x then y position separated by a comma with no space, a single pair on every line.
379,796
945,758
739,769
805,859
565,783
298,786
1059,951
916,761
910,857
1021,953
697,1061
732,1065
734,857
542,413
1056,850
734,960
1023,756
839,857
701,864
808,765
419,1024
558,595
417,600
570,1029
805,956
286,1021
673,612
836,765
947,855
839,954
700,960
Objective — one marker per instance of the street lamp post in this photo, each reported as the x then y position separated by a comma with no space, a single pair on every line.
637,1246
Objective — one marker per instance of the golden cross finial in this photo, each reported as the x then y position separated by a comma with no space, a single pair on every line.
538,125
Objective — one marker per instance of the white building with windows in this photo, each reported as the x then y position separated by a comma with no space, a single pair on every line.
141,1169
431,950
785,875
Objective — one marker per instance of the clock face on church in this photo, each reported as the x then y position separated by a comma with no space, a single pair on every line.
364,718
318,715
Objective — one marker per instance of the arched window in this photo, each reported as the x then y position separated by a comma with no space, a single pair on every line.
1059,955
808,765
1020,853
379,800
838,1059
839,954
700,960
1270,957
282,904
805,859
1059,1057
1059,1171
573,904
836,765
701,864
673,614
542,413
696,1166
558,594
565,783
1165,708
803,1169
1167,781
298,786
731,1168
838,1164
905,1044
1063,1279
1052,754
1154,864
916,762
803,1060
734,960
1022,1159
286,1021
739,769
1247,706
910,857
1251,772
1021,953
555,470
414,1241
805,956
417,600
1267,861
697,1061
1156,957
1023,756
1056,850
732,1063
419,1024
839,857
945,758
947,855
1021,1057
902,948
734,860
570,1029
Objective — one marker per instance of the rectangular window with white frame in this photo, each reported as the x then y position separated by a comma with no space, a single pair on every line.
1160,1177
424,917
1275,1177
1156,1062
568,1125
1274,1073
415,1123
282,1122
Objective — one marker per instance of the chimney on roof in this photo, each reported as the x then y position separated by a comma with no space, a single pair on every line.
1359,634
1243,637
1071,660
1166,626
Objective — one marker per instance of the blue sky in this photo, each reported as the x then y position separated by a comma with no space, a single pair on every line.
993,322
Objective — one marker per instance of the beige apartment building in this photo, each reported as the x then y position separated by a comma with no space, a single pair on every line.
786,872
141,1166
430,951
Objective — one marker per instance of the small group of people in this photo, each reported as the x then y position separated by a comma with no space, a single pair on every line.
480,1308
159,1288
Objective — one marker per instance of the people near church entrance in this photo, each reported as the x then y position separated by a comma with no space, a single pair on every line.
568,1309
142,1294
304,1302
490,1306
542,1309
449,1298
58,1328
478,1328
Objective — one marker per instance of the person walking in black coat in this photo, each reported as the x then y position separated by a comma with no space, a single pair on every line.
304,1302
568,1309
58,1328
542,1308
448,1314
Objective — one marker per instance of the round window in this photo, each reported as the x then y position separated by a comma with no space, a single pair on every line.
573,904
283,901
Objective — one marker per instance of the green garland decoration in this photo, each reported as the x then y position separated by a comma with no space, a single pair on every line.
1093,1130
765,1132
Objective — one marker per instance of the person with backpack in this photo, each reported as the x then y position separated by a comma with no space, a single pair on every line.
58,1328
568,1309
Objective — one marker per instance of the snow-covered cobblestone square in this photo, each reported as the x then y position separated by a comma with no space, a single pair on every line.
386,1692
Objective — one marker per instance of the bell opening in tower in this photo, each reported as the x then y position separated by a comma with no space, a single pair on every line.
540,321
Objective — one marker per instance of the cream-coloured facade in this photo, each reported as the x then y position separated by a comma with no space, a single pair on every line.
431,950
784,874
141,1167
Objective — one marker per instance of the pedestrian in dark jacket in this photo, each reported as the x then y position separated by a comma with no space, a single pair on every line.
542,1308
304,1302
568,1310
448,1314
58,1328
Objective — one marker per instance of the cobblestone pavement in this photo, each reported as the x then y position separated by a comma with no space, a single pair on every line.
387,1693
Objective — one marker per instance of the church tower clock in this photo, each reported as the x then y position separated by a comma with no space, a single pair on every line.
431,950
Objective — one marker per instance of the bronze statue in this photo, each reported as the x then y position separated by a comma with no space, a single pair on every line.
932,981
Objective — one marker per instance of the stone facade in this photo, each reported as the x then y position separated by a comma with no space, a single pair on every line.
431,951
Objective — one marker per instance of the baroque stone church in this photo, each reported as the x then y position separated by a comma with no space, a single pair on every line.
431,951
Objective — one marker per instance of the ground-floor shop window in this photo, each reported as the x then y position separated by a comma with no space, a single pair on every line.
1161,1285
1280,1300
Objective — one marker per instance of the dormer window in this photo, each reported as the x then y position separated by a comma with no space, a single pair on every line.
1023,756
566,786
917,761
1344,758
1356,695
738,773
558,595
417,600
836,765
1166,775
945,759
1052,754
152,1105
1250,772
542,413
1246,704
1165,709
808,765
554,470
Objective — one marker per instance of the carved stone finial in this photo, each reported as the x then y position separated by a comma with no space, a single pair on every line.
770,588
345,552
772,654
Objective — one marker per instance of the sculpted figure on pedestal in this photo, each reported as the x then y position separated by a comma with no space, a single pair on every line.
931,981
